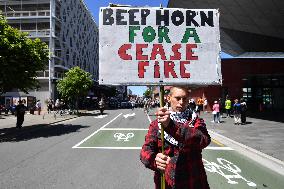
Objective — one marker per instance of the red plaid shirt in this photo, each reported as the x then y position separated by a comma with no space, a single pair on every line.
185,170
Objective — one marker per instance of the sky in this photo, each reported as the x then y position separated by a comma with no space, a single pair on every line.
94,6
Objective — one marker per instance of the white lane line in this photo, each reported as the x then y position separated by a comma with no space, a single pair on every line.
115,148
139,148
76,146
149,118
218,148
126,129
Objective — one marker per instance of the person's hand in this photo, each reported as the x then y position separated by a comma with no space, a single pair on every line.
162,161
163,116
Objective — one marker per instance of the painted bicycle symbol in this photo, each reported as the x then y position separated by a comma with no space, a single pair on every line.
123,137
227,169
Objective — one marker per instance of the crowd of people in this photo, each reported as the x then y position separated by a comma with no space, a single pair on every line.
222,109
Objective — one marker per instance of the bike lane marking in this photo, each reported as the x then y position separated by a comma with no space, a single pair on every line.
230,169
116,138
124,138
88,137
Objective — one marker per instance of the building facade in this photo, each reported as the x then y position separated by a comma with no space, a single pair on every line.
259,81
254,36
69,30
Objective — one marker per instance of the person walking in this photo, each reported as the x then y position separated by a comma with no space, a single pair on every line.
216,112
102,105
228,105
49,105
192,105
200,104
243,111
132,104
237,112
185,136
38,107
20,111
205,104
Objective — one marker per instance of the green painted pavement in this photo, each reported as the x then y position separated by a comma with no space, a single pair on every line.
226,169
116,138
231,170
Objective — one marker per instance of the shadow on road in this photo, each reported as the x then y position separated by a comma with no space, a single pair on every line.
37,131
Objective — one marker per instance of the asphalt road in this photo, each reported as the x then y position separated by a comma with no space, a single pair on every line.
102,152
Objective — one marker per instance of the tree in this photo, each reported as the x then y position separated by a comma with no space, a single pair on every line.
74,85
20,59
147,93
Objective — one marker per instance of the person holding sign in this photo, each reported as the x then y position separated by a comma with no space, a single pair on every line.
185,136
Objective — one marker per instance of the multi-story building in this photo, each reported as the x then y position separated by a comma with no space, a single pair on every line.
69,30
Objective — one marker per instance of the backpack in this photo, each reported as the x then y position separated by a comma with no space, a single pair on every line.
243,107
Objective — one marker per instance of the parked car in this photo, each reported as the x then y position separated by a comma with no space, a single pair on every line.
113,104
125,104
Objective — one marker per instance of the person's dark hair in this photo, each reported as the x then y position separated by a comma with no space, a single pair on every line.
185,88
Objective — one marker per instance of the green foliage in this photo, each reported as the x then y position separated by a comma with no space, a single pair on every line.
75,84
20,59
147,93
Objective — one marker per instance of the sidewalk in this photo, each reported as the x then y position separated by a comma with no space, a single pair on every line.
8,129
262,135
9,121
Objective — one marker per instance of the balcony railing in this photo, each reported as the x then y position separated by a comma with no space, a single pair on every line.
57,53
38,33
28,13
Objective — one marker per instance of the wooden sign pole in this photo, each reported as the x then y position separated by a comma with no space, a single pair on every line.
162,104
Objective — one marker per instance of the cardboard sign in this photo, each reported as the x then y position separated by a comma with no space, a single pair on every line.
159,46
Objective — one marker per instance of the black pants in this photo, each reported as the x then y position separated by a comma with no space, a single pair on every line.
228,111
243,117
20,120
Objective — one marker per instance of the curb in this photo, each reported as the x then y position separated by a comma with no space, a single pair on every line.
270,162
24,130
51,123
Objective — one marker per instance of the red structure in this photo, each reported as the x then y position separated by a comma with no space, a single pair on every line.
260,81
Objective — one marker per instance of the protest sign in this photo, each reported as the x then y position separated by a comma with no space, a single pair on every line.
159,46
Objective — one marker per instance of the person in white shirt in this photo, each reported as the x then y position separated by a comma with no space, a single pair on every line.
38,107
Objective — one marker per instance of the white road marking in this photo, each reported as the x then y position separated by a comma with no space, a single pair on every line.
76,146
139,148
149,118
114,148
100,116
218,148
129,115
222,167
123,129
122,136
